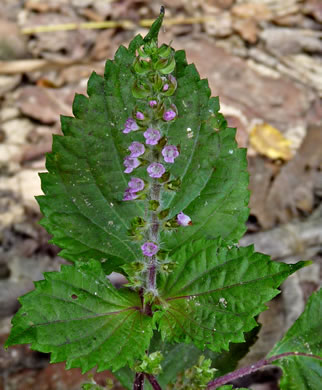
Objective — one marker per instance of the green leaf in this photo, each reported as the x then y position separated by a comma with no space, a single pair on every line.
305,336
215,291
212,169
85,182
78,316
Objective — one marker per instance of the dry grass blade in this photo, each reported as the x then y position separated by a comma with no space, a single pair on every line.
126,24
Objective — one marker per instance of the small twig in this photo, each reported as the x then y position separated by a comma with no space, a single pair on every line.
252,368
153,382
138,381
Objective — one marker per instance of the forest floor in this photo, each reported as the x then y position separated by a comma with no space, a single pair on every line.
263,59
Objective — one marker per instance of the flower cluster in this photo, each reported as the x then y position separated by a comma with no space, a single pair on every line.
152,151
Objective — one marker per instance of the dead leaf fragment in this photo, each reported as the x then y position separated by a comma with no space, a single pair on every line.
255,11
47,104
270,142
290,193
247,29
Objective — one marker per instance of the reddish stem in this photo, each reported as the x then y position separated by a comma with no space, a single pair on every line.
249,369
152,273
153,382
138,381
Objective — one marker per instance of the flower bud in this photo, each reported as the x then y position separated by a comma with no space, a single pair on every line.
165,87
183,219
170,114
171,83
153,103
139,115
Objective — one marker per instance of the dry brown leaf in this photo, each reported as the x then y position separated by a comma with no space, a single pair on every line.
12,43
270,142
291,192
46,104
314,7
37,6
247,29
251,10
220,3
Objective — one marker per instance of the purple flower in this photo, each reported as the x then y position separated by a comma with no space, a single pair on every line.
139,115
136,149
170,152
169,115
149,249
130,164
135,185
183,219
165,87
153,103
172,80
152,136
128,195
130,125
156,170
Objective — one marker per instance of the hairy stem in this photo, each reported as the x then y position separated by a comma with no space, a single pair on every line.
138,381
153,382
252,368
152,273
153,235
